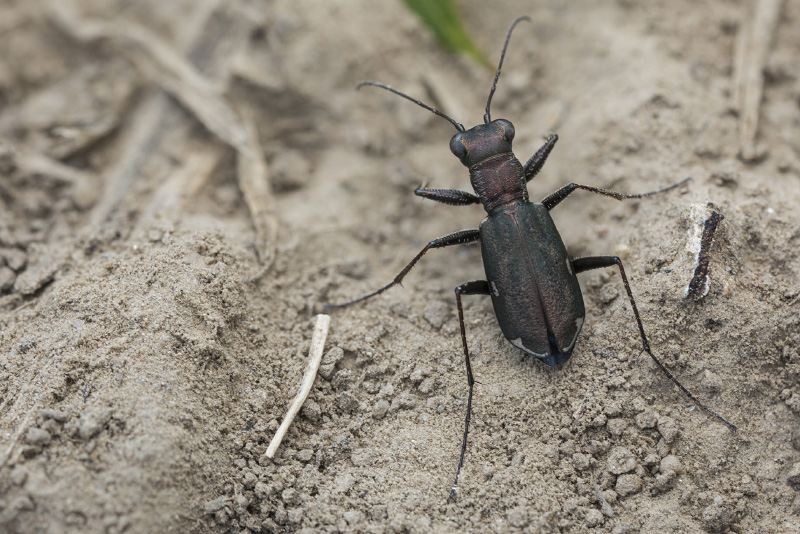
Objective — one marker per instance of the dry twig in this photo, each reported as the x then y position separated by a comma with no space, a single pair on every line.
255,186
169,69
753,44
315,356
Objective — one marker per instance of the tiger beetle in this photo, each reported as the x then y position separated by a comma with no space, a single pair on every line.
529,275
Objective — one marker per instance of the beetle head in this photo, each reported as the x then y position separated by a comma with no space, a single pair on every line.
482,142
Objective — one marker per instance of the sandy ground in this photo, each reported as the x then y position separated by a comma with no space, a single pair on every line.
155,156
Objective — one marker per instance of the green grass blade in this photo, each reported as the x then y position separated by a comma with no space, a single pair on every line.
441,16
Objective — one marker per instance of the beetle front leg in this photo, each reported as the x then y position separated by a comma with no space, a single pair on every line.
452,197
456,238
476,287
535,164
597,262
553,200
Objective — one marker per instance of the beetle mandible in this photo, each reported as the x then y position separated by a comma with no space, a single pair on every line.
530,278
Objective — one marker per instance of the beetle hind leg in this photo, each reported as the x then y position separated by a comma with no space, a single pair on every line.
598,262
476,287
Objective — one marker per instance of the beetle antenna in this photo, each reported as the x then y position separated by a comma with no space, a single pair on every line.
458,125
488,117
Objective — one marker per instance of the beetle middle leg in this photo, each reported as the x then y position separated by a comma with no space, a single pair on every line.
461,237
598,262
476,287
553,200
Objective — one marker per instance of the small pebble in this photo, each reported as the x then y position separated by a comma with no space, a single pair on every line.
427,386
613,409
37,436
652,459
55,415
419,374
305,455
261,490
92,422
665,481
404,401
617,426
662,447
711,382
668,429
621,460
580,461
518,517
345,483
19,475
215,505
628,485
646,419
353,517
311,411
346,402
15,258
717,516
327,367
594,518
290,496
294,515
671,463
7,278
380,409
240,503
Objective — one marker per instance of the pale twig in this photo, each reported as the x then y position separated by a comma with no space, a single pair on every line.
167,67
255,185
759,24
178,189
153,124
85,184
315,356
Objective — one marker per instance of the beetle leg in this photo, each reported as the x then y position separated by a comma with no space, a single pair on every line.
456,238
476,287
552,201
598,262
535,164
453,197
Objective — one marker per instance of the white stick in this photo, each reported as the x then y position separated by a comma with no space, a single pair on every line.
315,356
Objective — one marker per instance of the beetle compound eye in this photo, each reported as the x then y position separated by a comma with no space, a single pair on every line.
457,146
508,128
